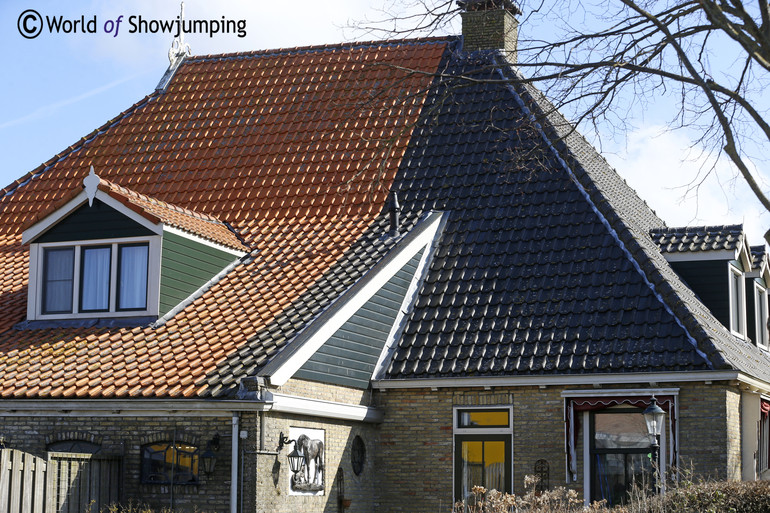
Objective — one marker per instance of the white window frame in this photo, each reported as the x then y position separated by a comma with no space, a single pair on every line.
763,440
457,430
737,297
36,269
760,317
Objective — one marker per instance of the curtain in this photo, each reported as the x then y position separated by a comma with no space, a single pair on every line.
95,293
575,405
133,277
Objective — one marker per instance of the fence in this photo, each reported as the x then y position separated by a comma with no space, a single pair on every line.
64,483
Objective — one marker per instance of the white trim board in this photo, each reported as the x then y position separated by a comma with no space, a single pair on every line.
349,303
34,231
328,409
571,379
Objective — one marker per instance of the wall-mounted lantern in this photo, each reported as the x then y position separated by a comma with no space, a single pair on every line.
209,456
296,459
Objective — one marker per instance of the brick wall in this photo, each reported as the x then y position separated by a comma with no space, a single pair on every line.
710,431
125,435
490,30
415,459
272,479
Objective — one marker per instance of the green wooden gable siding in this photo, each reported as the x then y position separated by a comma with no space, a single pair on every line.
709,280
349,356
98,221
185,266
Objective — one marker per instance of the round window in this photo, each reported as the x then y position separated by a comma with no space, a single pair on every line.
358,455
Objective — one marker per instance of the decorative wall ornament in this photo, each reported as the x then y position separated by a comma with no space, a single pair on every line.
310,478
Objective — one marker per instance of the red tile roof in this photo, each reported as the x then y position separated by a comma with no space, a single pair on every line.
295,149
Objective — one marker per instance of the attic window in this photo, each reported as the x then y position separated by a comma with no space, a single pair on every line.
737,302
95,278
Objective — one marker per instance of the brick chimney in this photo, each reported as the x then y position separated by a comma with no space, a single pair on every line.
490,25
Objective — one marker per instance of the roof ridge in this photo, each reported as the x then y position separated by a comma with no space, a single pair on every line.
714,227
319,48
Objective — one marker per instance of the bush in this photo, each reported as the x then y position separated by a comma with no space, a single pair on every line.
686,497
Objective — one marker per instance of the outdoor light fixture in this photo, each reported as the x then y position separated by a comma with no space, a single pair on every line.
654,416
209,456
296,459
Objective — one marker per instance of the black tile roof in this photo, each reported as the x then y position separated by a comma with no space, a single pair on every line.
758,255
698,238
546,265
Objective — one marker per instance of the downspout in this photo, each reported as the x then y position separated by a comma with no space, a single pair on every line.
234,464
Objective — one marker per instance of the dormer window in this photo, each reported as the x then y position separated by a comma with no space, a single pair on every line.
737,301
111,252
95,278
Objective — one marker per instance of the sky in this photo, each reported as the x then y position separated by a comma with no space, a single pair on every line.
56,88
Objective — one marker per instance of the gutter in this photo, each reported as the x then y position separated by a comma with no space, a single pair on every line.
574,379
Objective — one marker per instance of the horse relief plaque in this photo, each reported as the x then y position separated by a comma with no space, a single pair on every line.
310,478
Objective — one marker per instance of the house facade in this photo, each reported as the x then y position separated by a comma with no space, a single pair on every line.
390,265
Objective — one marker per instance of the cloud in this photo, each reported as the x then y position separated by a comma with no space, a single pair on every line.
685,185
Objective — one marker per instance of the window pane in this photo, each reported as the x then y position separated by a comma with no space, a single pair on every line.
133,277
617,473
483,418
494,466
57,280
482,463
762,317
737,301
621,431
95,279
166,463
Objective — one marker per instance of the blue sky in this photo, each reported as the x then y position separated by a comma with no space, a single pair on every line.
57,88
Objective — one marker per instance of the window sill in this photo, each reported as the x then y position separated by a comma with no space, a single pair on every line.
109,322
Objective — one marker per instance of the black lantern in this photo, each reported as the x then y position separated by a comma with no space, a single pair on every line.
296,459
654,417
209,456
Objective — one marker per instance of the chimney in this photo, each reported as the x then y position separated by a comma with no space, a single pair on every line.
490,25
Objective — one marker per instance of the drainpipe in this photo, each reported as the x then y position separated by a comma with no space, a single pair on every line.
234,464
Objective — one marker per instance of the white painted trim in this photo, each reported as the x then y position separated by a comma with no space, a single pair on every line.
53,218
125,407
201,240
740,295
234,436
407,303
565,379
328,409
699,256
614,392
372,282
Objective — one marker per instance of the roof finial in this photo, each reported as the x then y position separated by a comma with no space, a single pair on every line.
91,184
179,49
